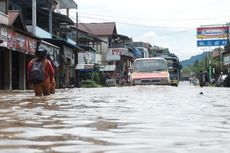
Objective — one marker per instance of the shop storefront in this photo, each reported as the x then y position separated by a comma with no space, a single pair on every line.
67,55
3,49
16,51
22,50
122,58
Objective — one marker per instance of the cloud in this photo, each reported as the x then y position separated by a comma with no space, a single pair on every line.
166,23
148,37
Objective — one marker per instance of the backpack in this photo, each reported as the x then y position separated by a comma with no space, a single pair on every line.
37,73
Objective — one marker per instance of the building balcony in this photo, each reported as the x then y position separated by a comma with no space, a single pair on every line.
4,19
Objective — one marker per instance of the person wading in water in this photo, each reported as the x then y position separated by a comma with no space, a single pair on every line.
40,73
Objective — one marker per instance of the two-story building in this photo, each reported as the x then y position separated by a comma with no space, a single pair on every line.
3,41
17,45
53,31
116,51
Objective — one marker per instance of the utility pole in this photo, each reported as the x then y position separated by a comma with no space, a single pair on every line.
51,20
76,57
34,16
76,27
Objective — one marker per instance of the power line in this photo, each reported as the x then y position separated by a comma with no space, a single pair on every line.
156,19
142,25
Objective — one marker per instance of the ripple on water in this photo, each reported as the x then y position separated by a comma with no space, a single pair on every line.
156,119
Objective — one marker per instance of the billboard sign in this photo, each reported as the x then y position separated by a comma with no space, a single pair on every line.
20,42
217,42
212,32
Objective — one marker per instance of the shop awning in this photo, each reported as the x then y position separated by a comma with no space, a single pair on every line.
137,53
85,67
60,42
107,68
87,48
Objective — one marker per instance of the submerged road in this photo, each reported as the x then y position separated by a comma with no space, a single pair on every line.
138,119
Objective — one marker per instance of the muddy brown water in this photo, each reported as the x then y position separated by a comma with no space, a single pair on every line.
142,119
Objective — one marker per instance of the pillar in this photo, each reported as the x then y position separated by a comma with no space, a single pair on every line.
22,72
8,70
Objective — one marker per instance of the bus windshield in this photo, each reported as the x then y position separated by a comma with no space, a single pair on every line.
150,65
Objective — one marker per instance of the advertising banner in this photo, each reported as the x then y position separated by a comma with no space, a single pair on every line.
217,42
20,42
212,32
114,54
31,45
121,51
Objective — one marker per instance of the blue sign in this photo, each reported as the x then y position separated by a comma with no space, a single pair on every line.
137,53
217,42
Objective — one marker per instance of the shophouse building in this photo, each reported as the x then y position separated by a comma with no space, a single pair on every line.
16,48
54,31
3,43
117,50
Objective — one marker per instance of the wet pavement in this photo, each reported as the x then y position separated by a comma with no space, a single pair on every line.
139,119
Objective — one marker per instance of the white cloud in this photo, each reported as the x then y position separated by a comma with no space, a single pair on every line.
148,37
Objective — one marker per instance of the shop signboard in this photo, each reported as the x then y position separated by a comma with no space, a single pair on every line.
20,42
16,41
121,51
3,36
212,32
52,50
31,45
113,55
217,42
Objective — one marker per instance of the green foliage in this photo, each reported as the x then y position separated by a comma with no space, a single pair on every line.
88,84
96,77
196,67
204,64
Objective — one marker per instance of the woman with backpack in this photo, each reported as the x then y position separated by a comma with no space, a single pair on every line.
40,73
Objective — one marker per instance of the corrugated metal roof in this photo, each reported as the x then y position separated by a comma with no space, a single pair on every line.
99,29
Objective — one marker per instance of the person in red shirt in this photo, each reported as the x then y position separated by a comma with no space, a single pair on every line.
55,67
41,88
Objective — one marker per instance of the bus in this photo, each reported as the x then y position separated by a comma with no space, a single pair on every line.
174,68
148,71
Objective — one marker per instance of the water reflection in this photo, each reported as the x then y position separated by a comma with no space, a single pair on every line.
158,119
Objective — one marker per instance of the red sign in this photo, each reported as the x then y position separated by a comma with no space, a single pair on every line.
118,51
212,32
31,45
16,41
22,43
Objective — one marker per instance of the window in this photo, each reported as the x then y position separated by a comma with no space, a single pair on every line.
3,6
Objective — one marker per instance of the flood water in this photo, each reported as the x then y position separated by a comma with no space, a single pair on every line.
139,119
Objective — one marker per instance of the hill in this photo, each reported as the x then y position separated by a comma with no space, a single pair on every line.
193,59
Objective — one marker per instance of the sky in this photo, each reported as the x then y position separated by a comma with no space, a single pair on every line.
166,23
